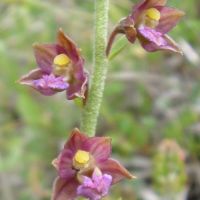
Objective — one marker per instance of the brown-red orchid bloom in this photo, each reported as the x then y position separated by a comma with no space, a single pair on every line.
78,165
60,68
149,21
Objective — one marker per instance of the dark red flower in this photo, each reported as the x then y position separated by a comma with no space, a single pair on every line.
149,21
79,158
60,68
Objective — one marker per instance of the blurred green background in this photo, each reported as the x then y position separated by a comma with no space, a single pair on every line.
149,97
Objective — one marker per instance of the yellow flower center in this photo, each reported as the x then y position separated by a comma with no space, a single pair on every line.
82,156
81,159
153,14
61,60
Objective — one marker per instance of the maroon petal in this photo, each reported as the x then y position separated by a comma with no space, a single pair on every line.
71,50
27,79
64,164
64,190
131,33
76,141
115,169
126,26
78,84
152,40
45,54
79,87
99,147
145,4
169,18
65,159
172,45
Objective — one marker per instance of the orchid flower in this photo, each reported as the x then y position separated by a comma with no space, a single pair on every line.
149,22
85,168
60,68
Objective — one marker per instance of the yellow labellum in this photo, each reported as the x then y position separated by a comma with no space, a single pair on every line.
61,60
82,157
153,14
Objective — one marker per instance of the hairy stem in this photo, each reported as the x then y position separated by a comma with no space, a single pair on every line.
91,110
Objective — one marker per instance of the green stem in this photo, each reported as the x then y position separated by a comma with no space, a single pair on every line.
91,110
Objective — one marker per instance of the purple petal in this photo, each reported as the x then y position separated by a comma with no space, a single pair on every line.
88,193
50,81
152,36
49,84
152,40
96,187
107,180
169,18
115,169
64,189
87,181
31,79
102,182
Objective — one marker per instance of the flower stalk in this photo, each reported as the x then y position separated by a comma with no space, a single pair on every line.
92,107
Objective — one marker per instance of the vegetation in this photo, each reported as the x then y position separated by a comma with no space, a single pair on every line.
149,97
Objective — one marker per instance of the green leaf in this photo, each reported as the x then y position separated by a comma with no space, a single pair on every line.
118,46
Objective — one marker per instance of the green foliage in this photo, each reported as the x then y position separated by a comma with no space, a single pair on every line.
118,46
33,127
169,174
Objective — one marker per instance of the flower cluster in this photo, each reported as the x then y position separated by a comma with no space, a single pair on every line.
86,169
149,22
84,165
